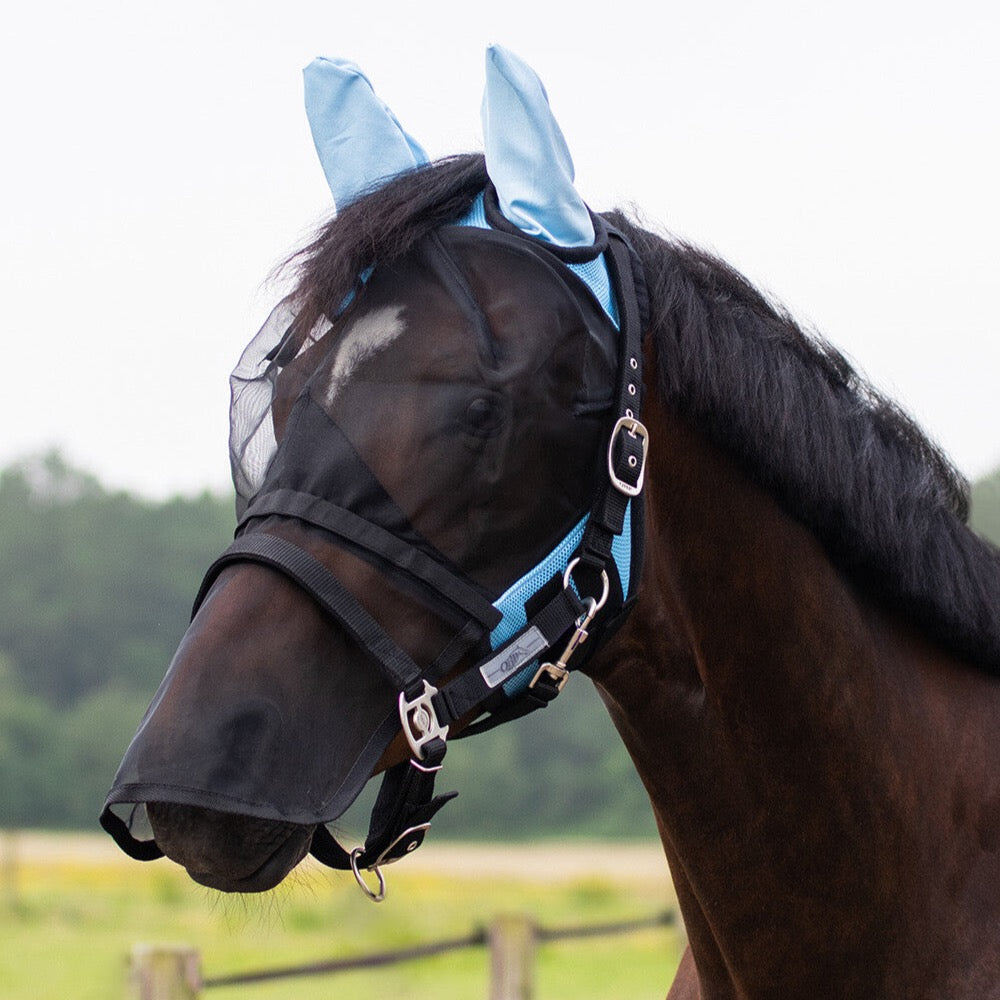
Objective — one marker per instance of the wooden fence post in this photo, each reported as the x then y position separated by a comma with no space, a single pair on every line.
512,958
158,972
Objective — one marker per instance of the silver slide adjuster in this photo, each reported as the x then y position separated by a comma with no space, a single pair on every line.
420,721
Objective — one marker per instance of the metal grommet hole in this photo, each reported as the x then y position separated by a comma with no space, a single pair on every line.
631,389
632,461
634,364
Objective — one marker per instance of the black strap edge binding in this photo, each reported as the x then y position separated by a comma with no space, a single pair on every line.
415,564
328,592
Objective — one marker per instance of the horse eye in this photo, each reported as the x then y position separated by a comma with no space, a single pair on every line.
483,416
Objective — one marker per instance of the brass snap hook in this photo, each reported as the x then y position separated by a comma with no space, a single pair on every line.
557,671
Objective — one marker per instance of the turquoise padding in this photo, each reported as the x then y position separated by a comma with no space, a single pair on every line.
621,551
594,273
511,603
476,216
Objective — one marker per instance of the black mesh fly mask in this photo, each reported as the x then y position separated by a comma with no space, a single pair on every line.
461,445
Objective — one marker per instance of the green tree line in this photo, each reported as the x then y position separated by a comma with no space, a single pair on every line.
95,593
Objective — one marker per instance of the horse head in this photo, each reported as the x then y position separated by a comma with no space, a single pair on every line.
415,452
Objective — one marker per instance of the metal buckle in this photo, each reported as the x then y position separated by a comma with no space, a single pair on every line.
634,428
420,721
419,828
426,770
376,896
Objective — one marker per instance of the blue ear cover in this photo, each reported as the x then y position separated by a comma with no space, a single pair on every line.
359,140
526,155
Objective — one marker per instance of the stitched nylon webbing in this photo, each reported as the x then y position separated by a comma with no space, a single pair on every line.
331,595
416,565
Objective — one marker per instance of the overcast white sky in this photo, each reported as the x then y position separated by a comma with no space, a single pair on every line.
157,163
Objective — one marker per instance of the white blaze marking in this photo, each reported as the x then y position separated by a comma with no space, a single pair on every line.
368,335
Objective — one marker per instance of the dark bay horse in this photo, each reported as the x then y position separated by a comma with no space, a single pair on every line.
806,681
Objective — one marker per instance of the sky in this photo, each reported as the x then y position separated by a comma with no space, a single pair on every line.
157,165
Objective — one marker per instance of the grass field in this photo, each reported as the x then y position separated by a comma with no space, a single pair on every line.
71,910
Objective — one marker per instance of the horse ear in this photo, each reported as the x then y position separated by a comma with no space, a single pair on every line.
527,157
358,139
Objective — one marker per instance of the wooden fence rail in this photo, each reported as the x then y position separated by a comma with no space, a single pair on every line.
174,973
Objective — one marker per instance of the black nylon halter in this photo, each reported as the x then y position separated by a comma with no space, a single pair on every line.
406,801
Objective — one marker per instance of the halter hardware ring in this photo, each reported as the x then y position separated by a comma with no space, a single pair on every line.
598,602
375,897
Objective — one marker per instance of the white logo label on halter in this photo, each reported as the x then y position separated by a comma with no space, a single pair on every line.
509,660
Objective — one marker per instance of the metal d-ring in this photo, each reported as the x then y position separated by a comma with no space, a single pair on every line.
605,584
375,897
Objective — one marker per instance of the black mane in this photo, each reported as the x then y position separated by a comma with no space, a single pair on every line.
887,504
378,229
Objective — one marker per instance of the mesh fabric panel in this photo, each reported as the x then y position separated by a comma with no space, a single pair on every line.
593,273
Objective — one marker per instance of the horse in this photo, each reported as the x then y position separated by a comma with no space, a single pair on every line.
803,644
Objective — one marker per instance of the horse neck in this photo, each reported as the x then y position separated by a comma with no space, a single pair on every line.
794,741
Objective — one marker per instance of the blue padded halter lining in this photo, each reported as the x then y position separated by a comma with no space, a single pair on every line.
511,603
593,273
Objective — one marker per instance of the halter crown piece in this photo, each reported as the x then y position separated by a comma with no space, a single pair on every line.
526,641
